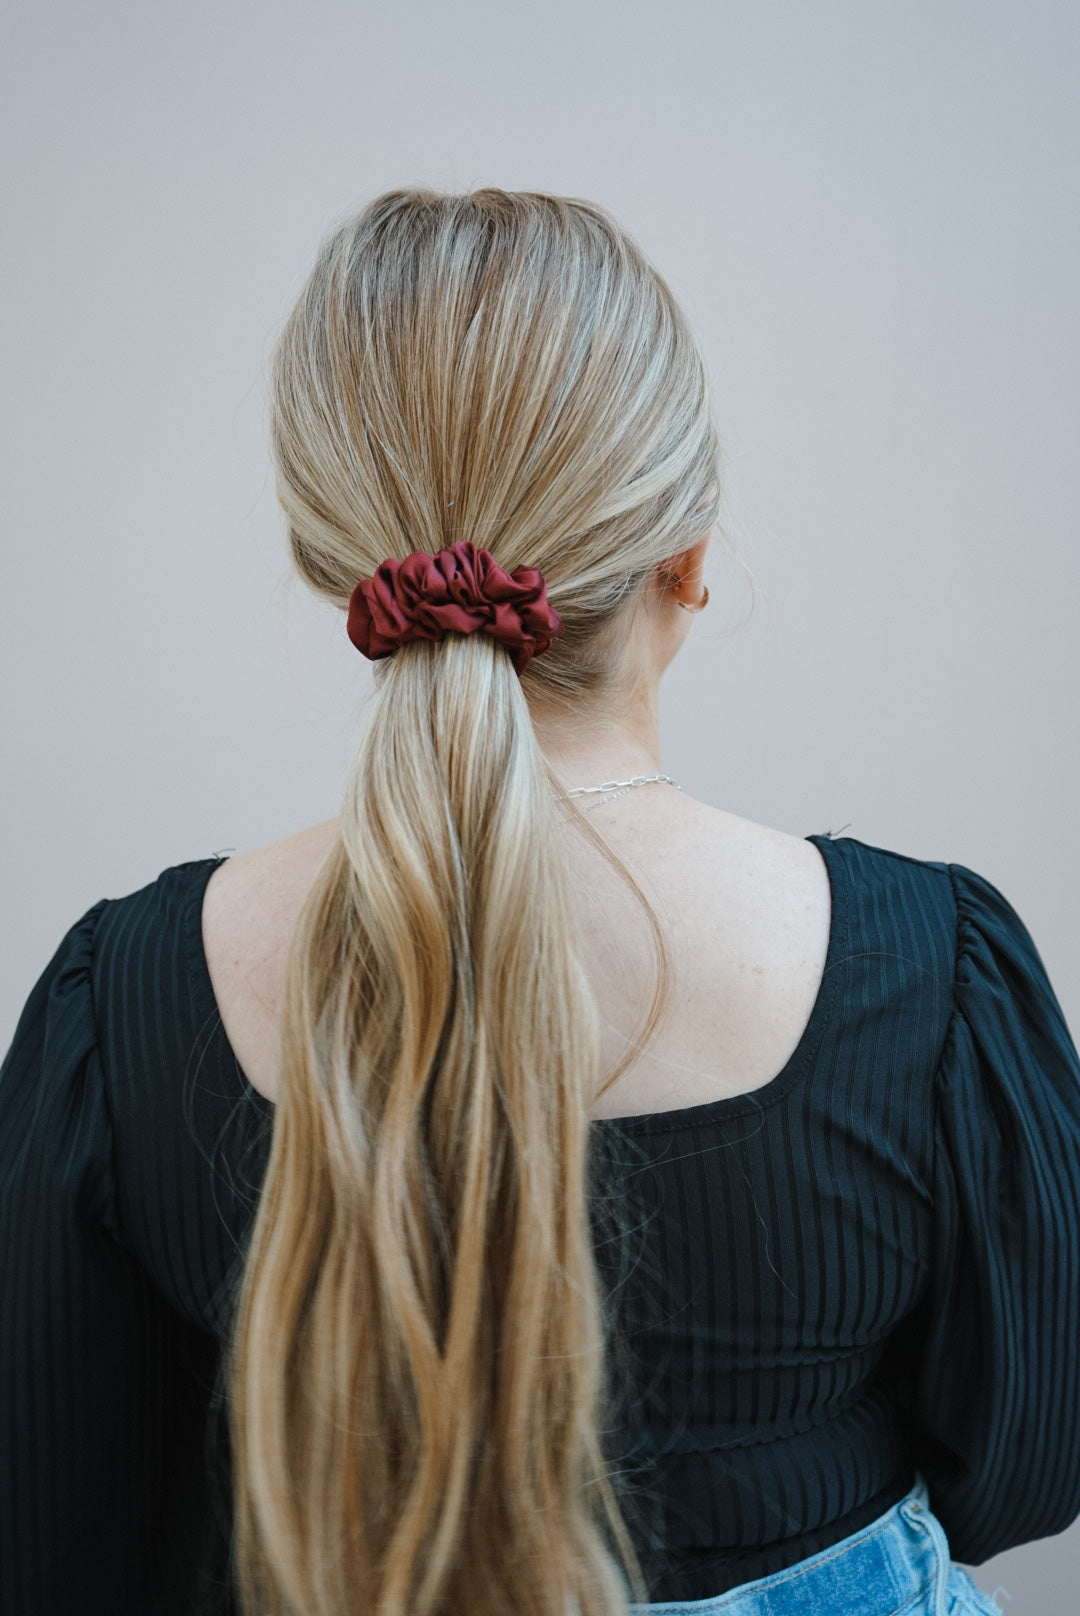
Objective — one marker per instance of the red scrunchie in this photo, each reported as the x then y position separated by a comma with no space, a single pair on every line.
461,589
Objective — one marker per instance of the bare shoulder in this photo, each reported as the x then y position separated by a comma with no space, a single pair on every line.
747,913
716,862
270,874
249,909
250,898
746,842
771,888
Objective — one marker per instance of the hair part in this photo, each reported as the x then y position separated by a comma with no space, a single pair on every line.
417,1380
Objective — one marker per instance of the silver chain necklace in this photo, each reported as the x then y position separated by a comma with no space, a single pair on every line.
617,788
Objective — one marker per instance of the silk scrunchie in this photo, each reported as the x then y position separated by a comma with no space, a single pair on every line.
460,590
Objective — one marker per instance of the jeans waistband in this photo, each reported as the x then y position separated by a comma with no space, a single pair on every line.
898,1563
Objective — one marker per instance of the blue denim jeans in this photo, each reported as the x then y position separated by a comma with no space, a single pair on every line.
900,1563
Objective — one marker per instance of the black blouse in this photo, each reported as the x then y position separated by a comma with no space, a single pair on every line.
868,1266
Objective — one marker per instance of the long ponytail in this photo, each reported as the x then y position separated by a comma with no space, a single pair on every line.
417,1367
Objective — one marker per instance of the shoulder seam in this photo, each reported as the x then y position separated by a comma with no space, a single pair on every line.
937,865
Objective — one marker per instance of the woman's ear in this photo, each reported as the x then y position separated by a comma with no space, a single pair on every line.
685,569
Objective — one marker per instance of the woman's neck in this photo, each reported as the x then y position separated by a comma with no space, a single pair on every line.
600,745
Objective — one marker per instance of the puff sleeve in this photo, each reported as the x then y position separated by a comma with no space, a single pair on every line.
997,1387
95,1369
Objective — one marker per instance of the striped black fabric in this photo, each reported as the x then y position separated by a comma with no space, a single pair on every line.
870,1265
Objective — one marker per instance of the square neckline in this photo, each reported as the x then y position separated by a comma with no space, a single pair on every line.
636,1123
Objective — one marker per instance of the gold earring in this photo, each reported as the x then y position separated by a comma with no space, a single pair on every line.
701,605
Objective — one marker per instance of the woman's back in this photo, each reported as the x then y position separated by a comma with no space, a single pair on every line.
860,1266
746,908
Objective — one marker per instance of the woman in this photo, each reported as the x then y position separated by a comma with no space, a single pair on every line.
657,1207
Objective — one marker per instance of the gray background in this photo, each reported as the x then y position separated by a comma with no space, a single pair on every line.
870,212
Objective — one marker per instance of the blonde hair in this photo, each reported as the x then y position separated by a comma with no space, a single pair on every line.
417,1375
